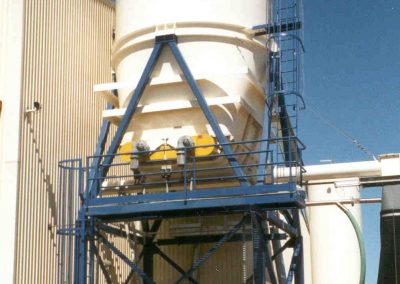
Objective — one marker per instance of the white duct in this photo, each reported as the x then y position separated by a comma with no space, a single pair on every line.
332,171
335,255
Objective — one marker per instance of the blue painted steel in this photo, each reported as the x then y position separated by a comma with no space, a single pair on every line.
133,265
294,263
270,189
193,206
275,28
261,257
173,263
101,143
80,265
212,250
133,103
101,264
105,129
154,228
91,251
284,33
264,145
206,110
186,202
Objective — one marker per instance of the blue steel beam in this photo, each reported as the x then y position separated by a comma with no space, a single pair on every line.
101,264
299,269
294,264
124,258
172,263
91,251
277,28
93,184
198,194
132,106
101,143
138,92
154,229
192,207
261,255
207,112
81,243
212,250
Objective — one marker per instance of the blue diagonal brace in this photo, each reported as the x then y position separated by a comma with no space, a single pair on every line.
124,258
104,130
173,263
207,112
101,264
130,110
101,144
212,250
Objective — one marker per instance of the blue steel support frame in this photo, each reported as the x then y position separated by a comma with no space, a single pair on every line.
83,227
133,265
212,250
101,264
130,110
207,112
160,43
101,144
261,257
92,189
87,213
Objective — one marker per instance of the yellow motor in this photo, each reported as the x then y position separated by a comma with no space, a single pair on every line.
205,146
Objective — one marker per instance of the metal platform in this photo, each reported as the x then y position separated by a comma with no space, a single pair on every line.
103,190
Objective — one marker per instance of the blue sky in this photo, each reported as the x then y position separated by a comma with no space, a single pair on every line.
352,77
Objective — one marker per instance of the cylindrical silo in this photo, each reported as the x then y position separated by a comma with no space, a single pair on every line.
335,250
229,65
226,61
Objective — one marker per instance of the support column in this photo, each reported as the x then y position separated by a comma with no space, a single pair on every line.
259,252
389,265
148,257
335,250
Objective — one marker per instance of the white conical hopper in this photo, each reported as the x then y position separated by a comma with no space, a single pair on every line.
226,60
229,65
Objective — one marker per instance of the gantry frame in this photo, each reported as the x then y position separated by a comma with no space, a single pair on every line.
255,201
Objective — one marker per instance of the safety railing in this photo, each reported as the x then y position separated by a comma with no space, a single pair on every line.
71,186
196,172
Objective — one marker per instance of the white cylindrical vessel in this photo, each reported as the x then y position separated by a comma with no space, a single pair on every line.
335,250
227,62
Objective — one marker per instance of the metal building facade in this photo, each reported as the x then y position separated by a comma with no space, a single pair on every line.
66,50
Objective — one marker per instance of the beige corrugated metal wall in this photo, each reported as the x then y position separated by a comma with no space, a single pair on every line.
66,50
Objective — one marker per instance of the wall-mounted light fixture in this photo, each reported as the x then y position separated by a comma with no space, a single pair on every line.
36,106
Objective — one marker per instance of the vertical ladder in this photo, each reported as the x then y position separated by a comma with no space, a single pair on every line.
284,87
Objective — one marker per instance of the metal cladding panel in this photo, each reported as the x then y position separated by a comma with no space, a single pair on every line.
66,50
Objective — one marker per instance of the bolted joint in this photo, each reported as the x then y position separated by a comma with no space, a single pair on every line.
166,38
